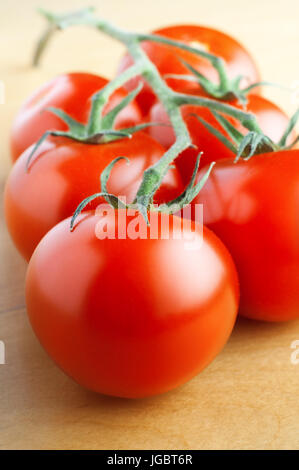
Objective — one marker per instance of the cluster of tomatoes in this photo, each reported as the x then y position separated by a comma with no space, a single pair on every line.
137,317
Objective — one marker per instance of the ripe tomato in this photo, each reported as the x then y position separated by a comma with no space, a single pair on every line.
72,93
64,172
168,59
110,322
253,208
272,120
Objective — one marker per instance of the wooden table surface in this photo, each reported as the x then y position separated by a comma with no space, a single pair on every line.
248,397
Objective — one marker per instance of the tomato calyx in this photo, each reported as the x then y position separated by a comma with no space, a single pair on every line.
254,142
226,90
144,203
99,128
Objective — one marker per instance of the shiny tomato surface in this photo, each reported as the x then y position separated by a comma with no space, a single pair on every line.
131,317
64,172
168,59
254,209
72,94
271,119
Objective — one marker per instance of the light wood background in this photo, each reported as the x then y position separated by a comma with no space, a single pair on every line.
248,397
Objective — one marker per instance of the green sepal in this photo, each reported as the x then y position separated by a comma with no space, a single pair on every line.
251,142
254,143
207,85
224,140
117,203
234,134
109,119
230,91
75,127
184,195
203,81
41,140
291,125
106,174
190,192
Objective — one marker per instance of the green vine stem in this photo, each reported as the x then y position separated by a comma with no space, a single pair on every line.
171,100
100,99
42,43
56,23
217,62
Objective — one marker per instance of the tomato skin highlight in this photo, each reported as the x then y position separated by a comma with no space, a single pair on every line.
271,119
130,318
253,208
168,59
71,93
63,172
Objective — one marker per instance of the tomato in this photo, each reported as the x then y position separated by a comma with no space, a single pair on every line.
63,172
168,59
253,208
72,93
272,120
131,317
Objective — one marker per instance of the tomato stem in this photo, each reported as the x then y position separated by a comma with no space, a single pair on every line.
100,99
42,44
170,100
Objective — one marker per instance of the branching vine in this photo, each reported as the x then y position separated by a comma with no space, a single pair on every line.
170,99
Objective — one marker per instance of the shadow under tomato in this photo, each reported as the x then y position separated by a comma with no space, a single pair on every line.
246,325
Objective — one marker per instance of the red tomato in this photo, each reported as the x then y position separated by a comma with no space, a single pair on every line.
253,208
64,172
72,93
168,59
272,120
131,318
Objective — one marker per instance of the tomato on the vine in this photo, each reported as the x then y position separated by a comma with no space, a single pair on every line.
63,172
131,317
271,119
253,207
168,59
72,94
